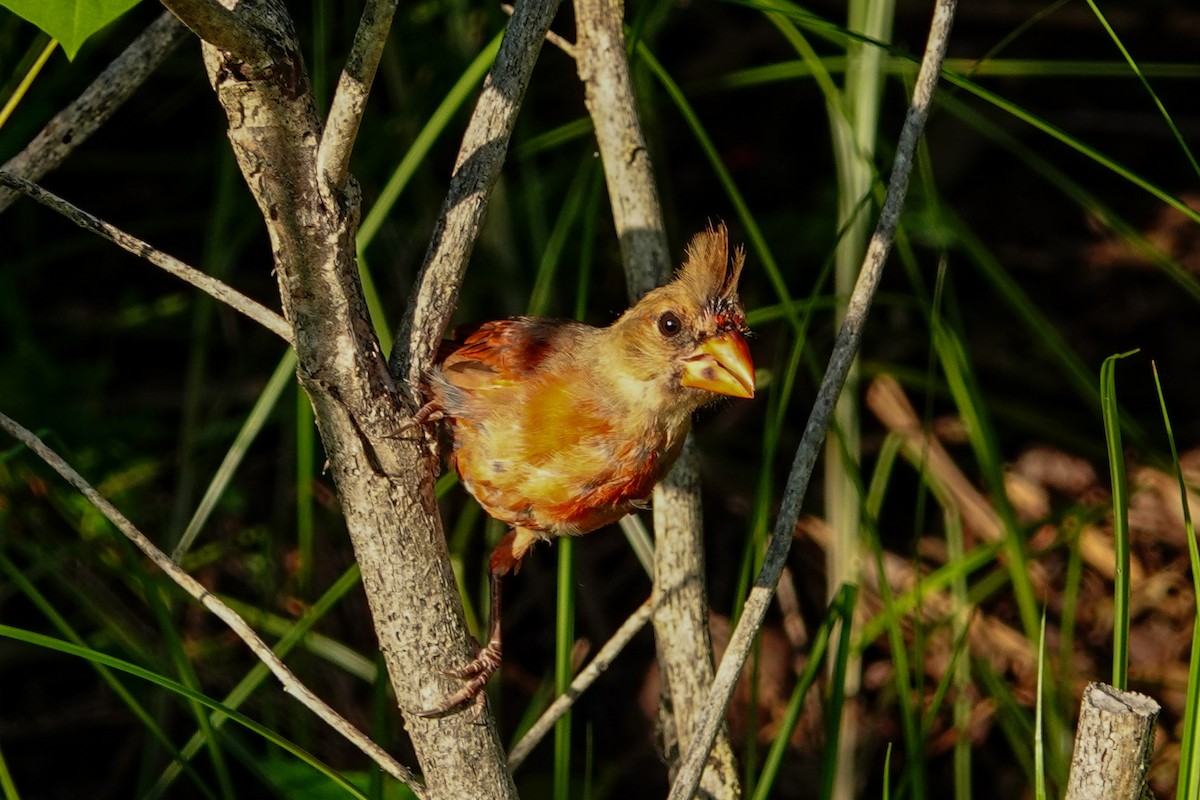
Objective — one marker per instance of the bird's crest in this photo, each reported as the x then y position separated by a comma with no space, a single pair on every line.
707,270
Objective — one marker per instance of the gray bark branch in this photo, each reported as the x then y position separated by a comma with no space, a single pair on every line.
384,481
476,170
350,97
844,350
586,677
201,280
224,28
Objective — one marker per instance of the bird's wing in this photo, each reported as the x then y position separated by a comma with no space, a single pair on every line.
504,352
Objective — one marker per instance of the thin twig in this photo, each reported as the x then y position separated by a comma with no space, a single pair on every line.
586,677
476,170
223,292
350,97
221,27
844,350
73,125
291,684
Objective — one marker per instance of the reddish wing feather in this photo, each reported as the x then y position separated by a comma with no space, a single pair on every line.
504,350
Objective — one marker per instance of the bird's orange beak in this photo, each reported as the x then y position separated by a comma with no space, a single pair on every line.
722,365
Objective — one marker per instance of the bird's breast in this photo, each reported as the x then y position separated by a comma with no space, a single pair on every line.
585,482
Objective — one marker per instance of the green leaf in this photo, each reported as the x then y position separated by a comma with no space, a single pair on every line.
71,22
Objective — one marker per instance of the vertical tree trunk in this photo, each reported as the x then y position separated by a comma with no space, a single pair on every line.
384,481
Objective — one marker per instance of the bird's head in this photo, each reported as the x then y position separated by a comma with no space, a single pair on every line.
689,335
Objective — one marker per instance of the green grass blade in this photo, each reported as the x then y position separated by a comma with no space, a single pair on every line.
837,35
754,233
1188,783
157,595
564,643
423,143
854,126
904,673
1133,65
939,580
971,406
7,785
839,611
306,453
1011,716
554,138
1058,179
259,673
94,656
845,601
323,647
887,772
255,420
1116,469
804,69
1084,149
959,673
1039,749
552,253
139,711
27,80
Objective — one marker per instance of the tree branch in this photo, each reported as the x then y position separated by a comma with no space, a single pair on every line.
476,170
1113,743
844,349
223,28
201,280
384,481
608,92
350,97
291,684
73,125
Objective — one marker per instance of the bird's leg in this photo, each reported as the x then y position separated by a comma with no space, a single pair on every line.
488,661
480,670
506,557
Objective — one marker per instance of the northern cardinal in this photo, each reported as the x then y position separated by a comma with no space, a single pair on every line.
560,428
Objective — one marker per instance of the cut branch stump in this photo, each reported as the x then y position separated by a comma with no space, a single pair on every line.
1112,745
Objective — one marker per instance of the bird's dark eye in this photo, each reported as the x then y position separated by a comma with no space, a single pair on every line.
669,324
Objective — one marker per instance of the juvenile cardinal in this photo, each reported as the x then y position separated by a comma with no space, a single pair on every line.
560,428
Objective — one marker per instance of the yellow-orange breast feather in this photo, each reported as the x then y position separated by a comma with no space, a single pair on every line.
538,440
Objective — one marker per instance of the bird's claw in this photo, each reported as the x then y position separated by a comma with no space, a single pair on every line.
477,673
